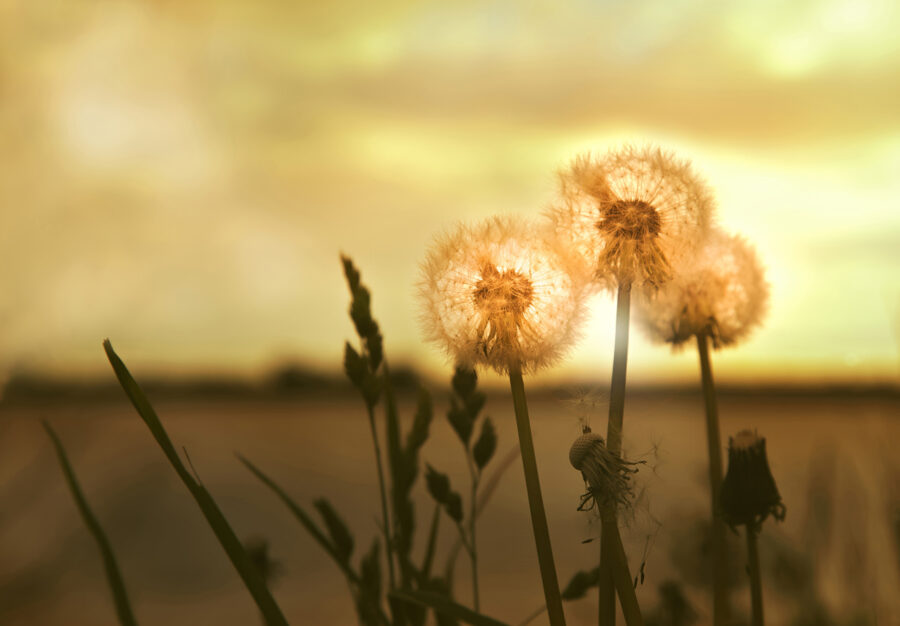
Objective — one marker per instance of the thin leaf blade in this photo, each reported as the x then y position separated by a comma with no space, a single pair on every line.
486,444
113,574
214,517
443,605
341,538
580,582
304,518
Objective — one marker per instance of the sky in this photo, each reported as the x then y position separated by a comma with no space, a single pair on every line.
181,177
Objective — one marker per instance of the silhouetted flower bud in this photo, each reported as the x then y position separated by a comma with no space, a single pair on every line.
748,494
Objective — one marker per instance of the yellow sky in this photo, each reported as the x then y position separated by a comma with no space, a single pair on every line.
180,177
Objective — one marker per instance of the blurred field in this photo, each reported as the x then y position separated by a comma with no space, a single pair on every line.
834,458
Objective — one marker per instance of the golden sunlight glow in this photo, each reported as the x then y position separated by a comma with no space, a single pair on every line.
183,178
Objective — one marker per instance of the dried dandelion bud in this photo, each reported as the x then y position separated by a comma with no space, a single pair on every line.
607,475
748,494
722,291
631,214
499,294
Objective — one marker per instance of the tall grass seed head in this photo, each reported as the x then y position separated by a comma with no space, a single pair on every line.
631,214
607,475
748,494
721,291
499,293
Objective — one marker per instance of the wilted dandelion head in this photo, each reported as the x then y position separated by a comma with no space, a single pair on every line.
499,294
721,291
631,214
606,474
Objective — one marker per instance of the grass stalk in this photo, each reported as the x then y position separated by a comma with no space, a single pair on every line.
474,553
474,476
608,549
113,575
487,491
535,500
756,601
714,445
385,520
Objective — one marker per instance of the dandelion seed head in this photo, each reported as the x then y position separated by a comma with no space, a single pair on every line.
631,214
499,293
721,291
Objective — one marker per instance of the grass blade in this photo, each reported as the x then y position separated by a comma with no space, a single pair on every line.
223,531
305,520
443,605
113,575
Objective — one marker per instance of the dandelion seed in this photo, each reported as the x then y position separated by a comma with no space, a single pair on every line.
498,293
722,292
631,214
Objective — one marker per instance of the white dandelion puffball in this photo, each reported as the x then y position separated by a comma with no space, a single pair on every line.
631,214
722,291
498,293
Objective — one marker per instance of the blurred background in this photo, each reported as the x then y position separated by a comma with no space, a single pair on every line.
182,176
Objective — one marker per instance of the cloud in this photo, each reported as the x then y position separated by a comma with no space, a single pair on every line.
184,175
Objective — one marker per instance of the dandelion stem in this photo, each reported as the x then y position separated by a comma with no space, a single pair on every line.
620,363
389,551
535,500
624,585
714,443
755,579
609,532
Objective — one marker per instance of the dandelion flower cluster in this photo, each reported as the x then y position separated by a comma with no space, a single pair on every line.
499,294
722,291
631,214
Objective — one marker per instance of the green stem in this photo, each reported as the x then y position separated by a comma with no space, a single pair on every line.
714,445
384,509
535,500
608,550
755,578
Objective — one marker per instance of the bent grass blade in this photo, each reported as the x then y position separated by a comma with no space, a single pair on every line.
230,543
113,575
440,604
